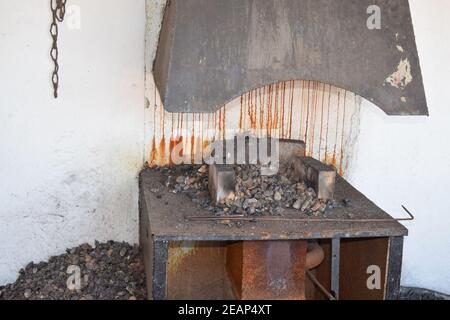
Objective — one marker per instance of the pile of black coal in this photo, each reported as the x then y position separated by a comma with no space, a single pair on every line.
109,271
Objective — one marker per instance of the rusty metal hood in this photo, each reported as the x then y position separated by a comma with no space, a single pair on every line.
212,51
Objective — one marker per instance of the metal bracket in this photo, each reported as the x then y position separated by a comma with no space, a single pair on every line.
335,264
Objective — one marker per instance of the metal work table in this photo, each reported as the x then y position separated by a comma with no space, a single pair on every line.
163,217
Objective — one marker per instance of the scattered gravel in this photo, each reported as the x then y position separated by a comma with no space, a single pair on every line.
109,271
408,293
256,195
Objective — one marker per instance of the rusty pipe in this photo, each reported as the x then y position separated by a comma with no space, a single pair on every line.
314,256
319,285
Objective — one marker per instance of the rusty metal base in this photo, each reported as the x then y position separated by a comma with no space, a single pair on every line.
268,270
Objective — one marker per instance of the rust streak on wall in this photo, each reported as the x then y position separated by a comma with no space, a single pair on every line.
317,113
241,115
282,111
341,168
321,121
291,106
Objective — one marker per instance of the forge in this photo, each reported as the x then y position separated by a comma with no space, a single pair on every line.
296,81
195,254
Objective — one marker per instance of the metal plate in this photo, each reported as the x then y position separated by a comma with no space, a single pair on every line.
212,51
268,270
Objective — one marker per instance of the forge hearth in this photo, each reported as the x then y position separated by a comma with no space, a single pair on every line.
190,258
240,190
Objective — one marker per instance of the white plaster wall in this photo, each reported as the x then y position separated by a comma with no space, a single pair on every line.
68,168
405,160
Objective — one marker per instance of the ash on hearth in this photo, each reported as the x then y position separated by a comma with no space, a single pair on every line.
255,194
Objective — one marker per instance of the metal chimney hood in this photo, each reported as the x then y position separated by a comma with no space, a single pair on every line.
212,51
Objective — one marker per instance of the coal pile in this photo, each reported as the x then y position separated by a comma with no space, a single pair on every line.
110,271
255,194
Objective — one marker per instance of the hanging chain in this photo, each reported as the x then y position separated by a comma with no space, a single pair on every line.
58,8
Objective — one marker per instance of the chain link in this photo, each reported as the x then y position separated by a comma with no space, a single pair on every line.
58,8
